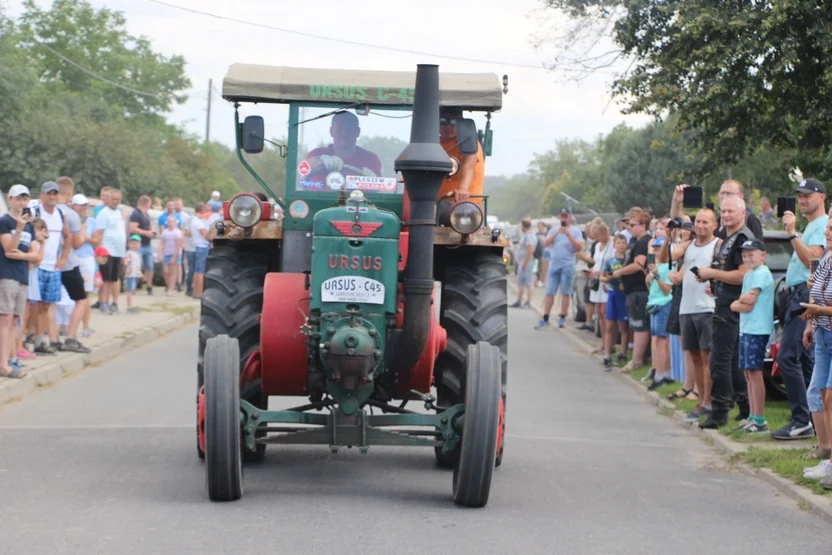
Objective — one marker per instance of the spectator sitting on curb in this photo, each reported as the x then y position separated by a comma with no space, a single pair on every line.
524,262
659,303
795,360
756,308
616,302
562,242
819,332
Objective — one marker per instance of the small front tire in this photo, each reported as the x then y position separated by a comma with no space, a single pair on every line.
223,433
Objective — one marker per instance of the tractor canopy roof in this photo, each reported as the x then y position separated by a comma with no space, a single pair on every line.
280,84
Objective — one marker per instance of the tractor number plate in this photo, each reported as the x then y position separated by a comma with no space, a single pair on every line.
352,289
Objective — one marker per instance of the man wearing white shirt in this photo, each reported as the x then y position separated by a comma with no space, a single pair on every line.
111,233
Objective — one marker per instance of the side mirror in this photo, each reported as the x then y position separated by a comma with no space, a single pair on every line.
254,130
466,134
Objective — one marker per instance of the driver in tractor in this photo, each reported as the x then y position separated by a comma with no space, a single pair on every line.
344,155
468,180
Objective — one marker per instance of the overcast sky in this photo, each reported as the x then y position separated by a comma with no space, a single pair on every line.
539,108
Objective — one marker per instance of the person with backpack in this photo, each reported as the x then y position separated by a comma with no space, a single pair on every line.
55,256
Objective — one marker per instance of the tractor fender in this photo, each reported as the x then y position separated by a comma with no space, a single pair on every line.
284,366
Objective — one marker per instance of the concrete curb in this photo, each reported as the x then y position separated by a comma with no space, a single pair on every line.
817,504
15,390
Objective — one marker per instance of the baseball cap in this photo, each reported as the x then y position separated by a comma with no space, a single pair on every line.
18,190
565,212
753,245
215,194
49,186
80,200
135,238
101,251
810,185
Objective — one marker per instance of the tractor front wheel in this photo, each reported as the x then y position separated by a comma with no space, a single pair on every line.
223,433
481,426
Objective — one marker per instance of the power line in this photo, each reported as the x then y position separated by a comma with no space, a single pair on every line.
355,43
95,75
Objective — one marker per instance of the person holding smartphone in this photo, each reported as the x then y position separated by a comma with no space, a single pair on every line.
796,361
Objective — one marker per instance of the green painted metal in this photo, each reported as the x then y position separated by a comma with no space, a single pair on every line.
359,429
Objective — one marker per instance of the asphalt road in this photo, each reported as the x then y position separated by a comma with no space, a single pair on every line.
105,463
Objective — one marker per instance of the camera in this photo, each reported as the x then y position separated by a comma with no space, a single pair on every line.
27,211
678,223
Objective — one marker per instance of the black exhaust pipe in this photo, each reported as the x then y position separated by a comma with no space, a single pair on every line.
424,165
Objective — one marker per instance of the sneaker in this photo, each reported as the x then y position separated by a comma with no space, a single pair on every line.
74,346
44,349
542,324
149,290
607,362
527,304
96,305
753,427
133,309
712,423
561,322
818,453
657,384
742,426
516,304
651,375
823,470
15,365
814,468
792,431
106,308
87,332
621,357
696,414
826,483
26,355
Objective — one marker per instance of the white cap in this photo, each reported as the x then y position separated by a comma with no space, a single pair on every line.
215,194
18,190
80,200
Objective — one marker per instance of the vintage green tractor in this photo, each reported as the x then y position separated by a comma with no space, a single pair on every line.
356,293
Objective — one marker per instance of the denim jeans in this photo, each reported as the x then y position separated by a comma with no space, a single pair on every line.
728,381
796,361
189,275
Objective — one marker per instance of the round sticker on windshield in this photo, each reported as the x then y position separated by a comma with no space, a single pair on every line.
299,209
335,181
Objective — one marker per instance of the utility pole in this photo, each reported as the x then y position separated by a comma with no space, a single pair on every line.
208,115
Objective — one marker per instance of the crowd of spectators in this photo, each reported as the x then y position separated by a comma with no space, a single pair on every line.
58,251
692,294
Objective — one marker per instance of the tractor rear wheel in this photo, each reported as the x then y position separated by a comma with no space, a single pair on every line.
223,431
474,308
481,427
231,304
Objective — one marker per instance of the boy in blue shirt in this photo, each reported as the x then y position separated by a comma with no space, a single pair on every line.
756,308
616,302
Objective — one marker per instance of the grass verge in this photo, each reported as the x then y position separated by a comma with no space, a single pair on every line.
786,463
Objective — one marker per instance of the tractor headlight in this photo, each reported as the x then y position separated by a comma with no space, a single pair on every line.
245,210
466,217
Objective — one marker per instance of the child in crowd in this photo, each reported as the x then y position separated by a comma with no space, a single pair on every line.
756,308
659,303
132,269
616,303
170,248
33,296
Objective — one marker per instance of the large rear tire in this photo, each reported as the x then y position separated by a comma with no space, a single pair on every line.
480,432
223,433
231,304
474,308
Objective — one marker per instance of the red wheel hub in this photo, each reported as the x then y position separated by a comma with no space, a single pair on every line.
501,427
201,418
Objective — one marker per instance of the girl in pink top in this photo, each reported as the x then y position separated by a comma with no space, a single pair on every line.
170,246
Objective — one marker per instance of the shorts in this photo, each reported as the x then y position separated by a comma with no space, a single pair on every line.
617,307
12,297
147,258
821,375
525,277
697,330
658,319
87,267
132,283
637,311
49,284
168,258
74,283
201,259
180,258
752,351
34,286
111,271
560,278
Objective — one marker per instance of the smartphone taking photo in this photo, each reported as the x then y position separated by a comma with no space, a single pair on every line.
693,197
786,204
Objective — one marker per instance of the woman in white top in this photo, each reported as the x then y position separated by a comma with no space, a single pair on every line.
598,292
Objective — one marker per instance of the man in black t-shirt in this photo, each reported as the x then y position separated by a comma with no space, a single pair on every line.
16,234
635,287
140,225
728,382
